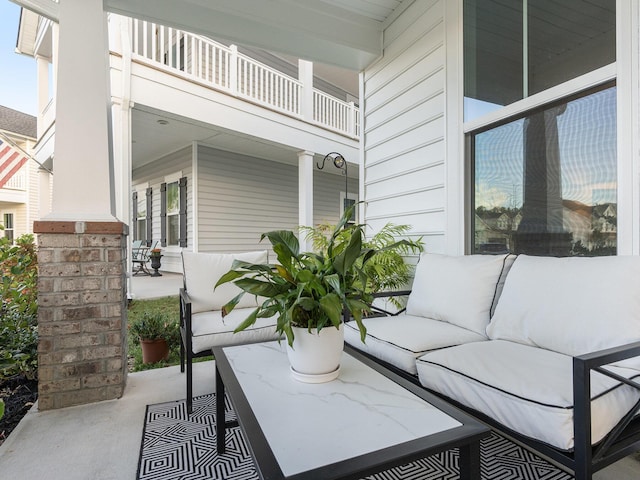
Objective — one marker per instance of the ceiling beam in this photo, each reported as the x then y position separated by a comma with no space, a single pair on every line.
46,8
313,30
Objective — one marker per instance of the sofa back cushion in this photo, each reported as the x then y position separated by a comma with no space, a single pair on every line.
203,270
572,305
456,289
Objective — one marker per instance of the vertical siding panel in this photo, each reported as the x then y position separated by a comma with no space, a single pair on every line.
404,132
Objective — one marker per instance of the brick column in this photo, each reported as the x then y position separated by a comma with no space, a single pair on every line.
82,352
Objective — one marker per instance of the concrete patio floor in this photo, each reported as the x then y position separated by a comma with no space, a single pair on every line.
101,441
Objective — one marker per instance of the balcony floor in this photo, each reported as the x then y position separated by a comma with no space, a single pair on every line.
101,441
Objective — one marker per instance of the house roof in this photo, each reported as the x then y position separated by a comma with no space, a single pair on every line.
17,122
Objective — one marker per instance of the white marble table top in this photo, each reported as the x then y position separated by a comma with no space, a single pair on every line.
311,425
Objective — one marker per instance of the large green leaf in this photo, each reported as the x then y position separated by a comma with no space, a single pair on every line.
285,238
348,257
260,287
231,304
250,320
334,281
332,306
230,276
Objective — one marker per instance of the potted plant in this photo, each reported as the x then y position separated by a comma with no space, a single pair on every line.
309,292
155,255
155,330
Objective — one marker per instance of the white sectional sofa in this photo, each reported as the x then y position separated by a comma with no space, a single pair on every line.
520,341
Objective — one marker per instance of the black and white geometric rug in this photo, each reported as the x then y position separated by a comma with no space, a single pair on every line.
178,447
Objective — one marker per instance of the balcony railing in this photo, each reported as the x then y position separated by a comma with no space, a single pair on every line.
18,181
223,68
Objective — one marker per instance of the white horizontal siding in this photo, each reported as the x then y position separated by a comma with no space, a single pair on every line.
404,126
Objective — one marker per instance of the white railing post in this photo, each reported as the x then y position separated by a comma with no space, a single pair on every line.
233,70
351,119
305,76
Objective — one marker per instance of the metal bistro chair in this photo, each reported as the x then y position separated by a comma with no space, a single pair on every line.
140,256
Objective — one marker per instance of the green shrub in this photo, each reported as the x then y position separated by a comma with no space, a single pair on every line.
18,307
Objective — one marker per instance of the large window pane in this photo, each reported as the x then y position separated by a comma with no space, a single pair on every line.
516,48
546,184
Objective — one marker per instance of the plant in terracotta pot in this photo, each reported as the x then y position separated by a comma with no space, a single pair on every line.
308,292
155,330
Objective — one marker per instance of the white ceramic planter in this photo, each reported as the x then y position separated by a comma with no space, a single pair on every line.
315,357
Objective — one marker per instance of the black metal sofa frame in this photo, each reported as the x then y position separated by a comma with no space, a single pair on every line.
585,459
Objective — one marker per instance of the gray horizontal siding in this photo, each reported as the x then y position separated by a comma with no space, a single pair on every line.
240,197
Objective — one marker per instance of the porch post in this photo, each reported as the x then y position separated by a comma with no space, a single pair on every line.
305,194
305,76
82,246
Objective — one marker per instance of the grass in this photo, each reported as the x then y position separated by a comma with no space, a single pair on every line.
168,305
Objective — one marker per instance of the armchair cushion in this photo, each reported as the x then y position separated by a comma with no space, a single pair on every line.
203,270
209,329
456,289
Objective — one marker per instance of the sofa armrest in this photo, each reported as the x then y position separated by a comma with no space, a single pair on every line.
583,365
185,318
396,293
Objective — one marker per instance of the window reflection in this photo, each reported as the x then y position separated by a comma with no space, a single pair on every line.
546,184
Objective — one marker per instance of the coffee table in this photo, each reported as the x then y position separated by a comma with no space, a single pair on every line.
366,421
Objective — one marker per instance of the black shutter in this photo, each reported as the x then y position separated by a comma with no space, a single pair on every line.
182,241
149,224
163,214
135,216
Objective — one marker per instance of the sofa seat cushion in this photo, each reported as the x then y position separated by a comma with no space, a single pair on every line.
456,289
571,305
210,329
525,388
401,339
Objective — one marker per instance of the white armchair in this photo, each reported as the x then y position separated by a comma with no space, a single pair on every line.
201,324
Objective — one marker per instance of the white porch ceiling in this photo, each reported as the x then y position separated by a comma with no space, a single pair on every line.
152,140
345,33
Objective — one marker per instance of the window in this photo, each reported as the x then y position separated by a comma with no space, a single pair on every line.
519,48
345,203
545,183
8,226
141,218
173,215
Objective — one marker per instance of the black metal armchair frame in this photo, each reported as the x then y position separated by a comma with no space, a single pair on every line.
186,350
585,459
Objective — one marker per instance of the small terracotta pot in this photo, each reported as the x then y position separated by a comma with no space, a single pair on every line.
154,351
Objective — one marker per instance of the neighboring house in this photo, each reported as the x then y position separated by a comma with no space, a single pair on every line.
210,136
19,176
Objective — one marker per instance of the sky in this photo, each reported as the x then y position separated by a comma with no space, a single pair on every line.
18,72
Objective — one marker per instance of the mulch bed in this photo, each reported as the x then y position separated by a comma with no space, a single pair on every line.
19,394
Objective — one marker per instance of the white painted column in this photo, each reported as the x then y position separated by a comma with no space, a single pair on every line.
43,89
83,165
306,166
44,193
305,75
